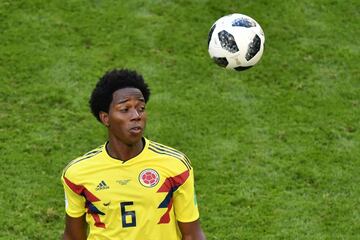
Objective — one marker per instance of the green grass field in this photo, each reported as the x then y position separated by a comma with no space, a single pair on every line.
276,149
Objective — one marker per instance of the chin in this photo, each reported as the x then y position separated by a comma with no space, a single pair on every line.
134,140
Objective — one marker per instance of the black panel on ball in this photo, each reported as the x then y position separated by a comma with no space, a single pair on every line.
253,48
242,68
227,41
210,33
243,22
222,62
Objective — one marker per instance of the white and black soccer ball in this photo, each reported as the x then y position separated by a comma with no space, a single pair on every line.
236,41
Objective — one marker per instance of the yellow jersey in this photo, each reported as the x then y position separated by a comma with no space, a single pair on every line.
139,199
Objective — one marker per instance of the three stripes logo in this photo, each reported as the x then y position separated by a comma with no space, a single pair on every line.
165,150
101,186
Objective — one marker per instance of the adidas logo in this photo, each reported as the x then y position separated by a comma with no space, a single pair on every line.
101,186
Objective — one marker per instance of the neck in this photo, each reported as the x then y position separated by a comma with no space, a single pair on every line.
123,151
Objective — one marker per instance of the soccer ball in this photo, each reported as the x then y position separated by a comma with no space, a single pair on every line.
236,41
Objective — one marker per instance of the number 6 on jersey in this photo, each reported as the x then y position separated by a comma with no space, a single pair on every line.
125,213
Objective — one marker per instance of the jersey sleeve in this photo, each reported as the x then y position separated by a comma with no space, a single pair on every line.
74,202
185,204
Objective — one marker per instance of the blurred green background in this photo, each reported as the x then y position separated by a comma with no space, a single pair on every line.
275,148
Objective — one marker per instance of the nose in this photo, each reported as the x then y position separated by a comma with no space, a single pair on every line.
135,114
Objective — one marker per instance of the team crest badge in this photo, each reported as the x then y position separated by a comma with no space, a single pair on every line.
149,178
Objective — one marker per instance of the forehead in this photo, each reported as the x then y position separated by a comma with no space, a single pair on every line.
127,93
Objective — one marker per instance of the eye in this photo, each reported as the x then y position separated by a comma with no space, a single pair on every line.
123,110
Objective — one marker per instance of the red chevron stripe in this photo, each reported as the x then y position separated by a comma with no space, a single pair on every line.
171,184
166,217
81,190
176,181
97,220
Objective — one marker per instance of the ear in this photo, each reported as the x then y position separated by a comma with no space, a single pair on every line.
104,117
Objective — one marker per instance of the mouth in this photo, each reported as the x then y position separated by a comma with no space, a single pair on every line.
135,130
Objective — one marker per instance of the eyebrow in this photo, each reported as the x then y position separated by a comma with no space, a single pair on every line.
127,99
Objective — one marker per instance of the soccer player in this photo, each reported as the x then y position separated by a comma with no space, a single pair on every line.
130,188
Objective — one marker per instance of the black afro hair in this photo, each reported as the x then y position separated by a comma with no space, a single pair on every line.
112,81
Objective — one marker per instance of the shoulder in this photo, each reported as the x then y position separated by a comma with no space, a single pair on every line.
170,153
83,161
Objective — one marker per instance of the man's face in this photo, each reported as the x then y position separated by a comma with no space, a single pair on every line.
126,119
